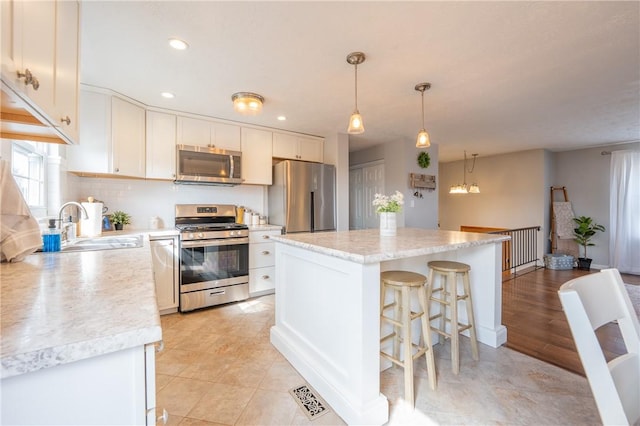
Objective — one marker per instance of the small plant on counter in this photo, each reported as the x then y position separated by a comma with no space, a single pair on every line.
119,218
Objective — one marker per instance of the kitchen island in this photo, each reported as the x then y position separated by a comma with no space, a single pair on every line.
77,334
328,304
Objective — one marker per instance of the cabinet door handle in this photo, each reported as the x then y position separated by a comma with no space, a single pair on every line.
266,252
265,237
163,419
265,277
35,84
215,293
66,120
117,169
28,77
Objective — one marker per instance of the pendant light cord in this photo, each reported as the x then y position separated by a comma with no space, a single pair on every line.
473,165
423,109
356,65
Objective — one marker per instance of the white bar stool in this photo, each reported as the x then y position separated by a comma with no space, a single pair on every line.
401,283
448,272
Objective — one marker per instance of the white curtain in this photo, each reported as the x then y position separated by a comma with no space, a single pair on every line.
624,210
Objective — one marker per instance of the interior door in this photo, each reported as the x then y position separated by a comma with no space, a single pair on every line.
365,181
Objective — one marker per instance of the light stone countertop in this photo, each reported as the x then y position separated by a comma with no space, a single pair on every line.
367,246
62,307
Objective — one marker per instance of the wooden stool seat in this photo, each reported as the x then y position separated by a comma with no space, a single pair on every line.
401,283
449,266
400,278
448,271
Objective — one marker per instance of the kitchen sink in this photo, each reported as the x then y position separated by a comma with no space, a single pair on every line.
104,243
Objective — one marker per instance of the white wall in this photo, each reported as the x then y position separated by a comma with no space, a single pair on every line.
513,192
400,159
585,174
145,198
421,212
336,152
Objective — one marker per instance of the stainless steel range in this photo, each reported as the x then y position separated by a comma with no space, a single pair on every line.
214,255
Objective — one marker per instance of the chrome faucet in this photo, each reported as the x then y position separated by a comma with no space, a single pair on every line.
80,207
63,228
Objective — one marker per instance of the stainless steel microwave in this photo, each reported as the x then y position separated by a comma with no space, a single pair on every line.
204,165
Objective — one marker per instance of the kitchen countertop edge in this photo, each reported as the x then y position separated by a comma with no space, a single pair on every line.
367,246
109,315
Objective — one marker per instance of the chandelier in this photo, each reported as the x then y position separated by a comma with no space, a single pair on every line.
463,188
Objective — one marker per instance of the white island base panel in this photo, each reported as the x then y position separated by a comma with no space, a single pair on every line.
327,320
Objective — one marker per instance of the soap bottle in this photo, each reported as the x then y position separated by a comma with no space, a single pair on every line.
51,239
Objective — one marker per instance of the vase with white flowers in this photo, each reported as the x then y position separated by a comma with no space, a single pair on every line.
388,207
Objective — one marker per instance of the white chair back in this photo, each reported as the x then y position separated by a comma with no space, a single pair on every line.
590,302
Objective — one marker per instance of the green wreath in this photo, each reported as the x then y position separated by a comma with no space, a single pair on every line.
424,160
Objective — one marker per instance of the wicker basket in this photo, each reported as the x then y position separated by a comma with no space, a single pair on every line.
558,261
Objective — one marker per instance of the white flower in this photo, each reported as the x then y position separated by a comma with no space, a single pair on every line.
385,204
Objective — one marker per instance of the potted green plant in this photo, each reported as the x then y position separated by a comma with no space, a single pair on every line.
583,234
119,219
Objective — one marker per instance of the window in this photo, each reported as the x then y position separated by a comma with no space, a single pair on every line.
28,168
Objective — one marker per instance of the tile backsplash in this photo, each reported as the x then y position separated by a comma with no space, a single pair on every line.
143,199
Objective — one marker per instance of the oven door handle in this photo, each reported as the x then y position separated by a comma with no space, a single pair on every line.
213,243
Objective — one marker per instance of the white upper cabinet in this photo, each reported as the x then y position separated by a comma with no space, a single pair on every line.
226,136
128,133
311,149
196,132
34,37
67,78
297,147
161,145
112,137
40,59
93,153
256,156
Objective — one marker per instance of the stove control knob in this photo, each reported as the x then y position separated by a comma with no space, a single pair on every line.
191,236
200,235
232,233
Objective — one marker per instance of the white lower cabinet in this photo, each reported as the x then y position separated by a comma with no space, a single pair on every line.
114,388
164,252
262,262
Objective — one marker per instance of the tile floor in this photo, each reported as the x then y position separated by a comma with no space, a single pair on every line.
218,368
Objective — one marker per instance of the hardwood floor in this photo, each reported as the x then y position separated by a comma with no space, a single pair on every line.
536,324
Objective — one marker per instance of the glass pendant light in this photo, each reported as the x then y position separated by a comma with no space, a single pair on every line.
423,140
356,125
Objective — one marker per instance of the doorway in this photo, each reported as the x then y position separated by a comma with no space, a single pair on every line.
365,180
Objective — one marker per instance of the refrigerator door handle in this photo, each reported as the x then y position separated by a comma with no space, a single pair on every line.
313,209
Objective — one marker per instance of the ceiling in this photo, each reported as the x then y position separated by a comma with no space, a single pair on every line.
505,76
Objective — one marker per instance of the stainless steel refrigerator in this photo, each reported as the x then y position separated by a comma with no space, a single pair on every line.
302,196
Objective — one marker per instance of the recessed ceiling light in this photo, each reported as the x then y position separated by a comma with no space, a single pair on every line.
282,118
178,44
168,95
